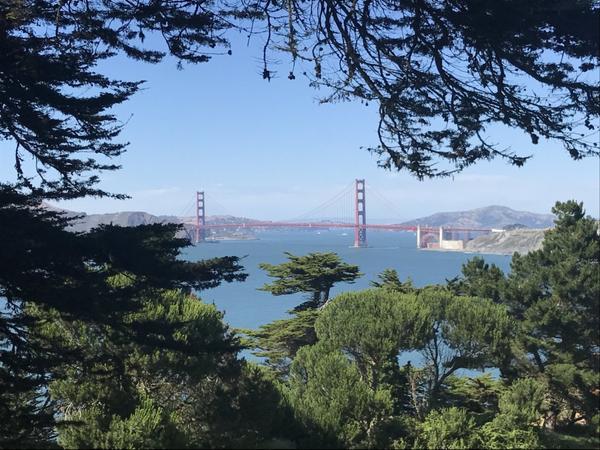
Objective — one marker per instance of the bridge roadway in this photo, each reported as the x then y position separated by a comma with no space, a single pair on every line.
392,227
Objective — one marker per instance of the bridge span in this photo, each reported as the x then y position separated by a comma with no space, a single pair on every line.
426,236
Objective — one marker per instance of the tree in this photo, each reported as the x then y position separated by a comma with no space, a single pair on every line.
521,406
479,279
373,327
554,293
463,333
478,395
451,428
314,274
45,266
444,73
388,279
329,396
280,340
441,72
56,106
192,393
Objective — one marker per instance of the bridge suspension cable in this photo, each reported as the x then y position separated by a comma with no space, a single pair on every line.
389,204
344,197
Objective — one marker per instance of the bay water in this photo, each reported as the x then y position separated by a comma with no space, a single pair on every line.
247,307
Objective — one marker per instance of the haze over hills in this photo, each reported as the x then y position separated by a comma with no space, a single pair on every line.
488,217
506,242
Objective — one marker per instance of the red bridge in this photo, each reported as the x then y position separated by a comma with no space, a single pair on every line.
427,236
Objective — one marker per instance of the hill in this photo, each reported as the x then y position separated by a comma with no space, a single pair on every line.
487,217
507,242
84,222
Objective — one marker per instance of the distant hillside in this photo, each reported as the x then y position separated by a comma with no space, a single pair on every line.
123,219
488,217
507,242
86,222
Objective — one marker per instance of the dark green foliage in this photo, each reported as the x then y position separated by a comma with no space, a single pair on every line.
478,63
55,105
280,340
373,327
479,279
44,266
523,401
132,394
478,395
451,428
388,279
353,369
333,401
521,406
555,294
313,274
445,73
462,333
361,335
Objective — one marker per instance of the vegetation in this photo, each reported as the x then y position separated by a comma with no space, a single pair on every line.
103,342
441,73
393,366
314,274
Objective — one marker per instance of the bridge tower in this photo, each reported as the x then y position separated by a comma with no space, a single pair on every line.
200,217
360,214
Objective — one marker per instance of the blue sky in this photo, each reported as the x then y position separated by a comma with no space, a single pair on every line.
270,150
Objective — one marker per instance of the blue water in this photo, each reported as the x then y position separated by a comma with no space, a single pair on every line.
247,307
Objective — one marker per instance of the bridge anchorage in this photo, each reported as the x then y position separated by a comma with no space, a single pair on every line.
428,237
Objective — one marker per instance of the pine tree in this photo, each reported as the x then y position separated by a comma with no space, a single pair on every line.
444,73
388,279
554,293
45,266
314,274
280,340
190,391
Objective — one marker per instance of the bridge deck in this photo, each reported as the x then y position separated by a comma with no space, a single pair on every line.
393,227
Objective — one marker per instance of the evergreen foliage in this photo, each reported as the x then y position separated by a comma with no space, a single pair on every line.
129,394
479,279
555,294
329,396
450,428
443,72
477,63
44,266
280,340
373,328
478,395
462,333
100,331
56,105
314,274
521,406
388,279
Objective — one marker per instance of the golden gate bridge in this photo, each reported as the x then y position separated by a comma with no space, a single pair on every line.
448,237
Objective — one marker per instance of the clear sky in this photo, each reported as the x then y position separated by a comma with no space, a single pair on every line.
269,150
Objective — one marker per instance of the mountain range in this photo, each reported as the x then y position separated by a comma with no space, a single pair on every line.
487,217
